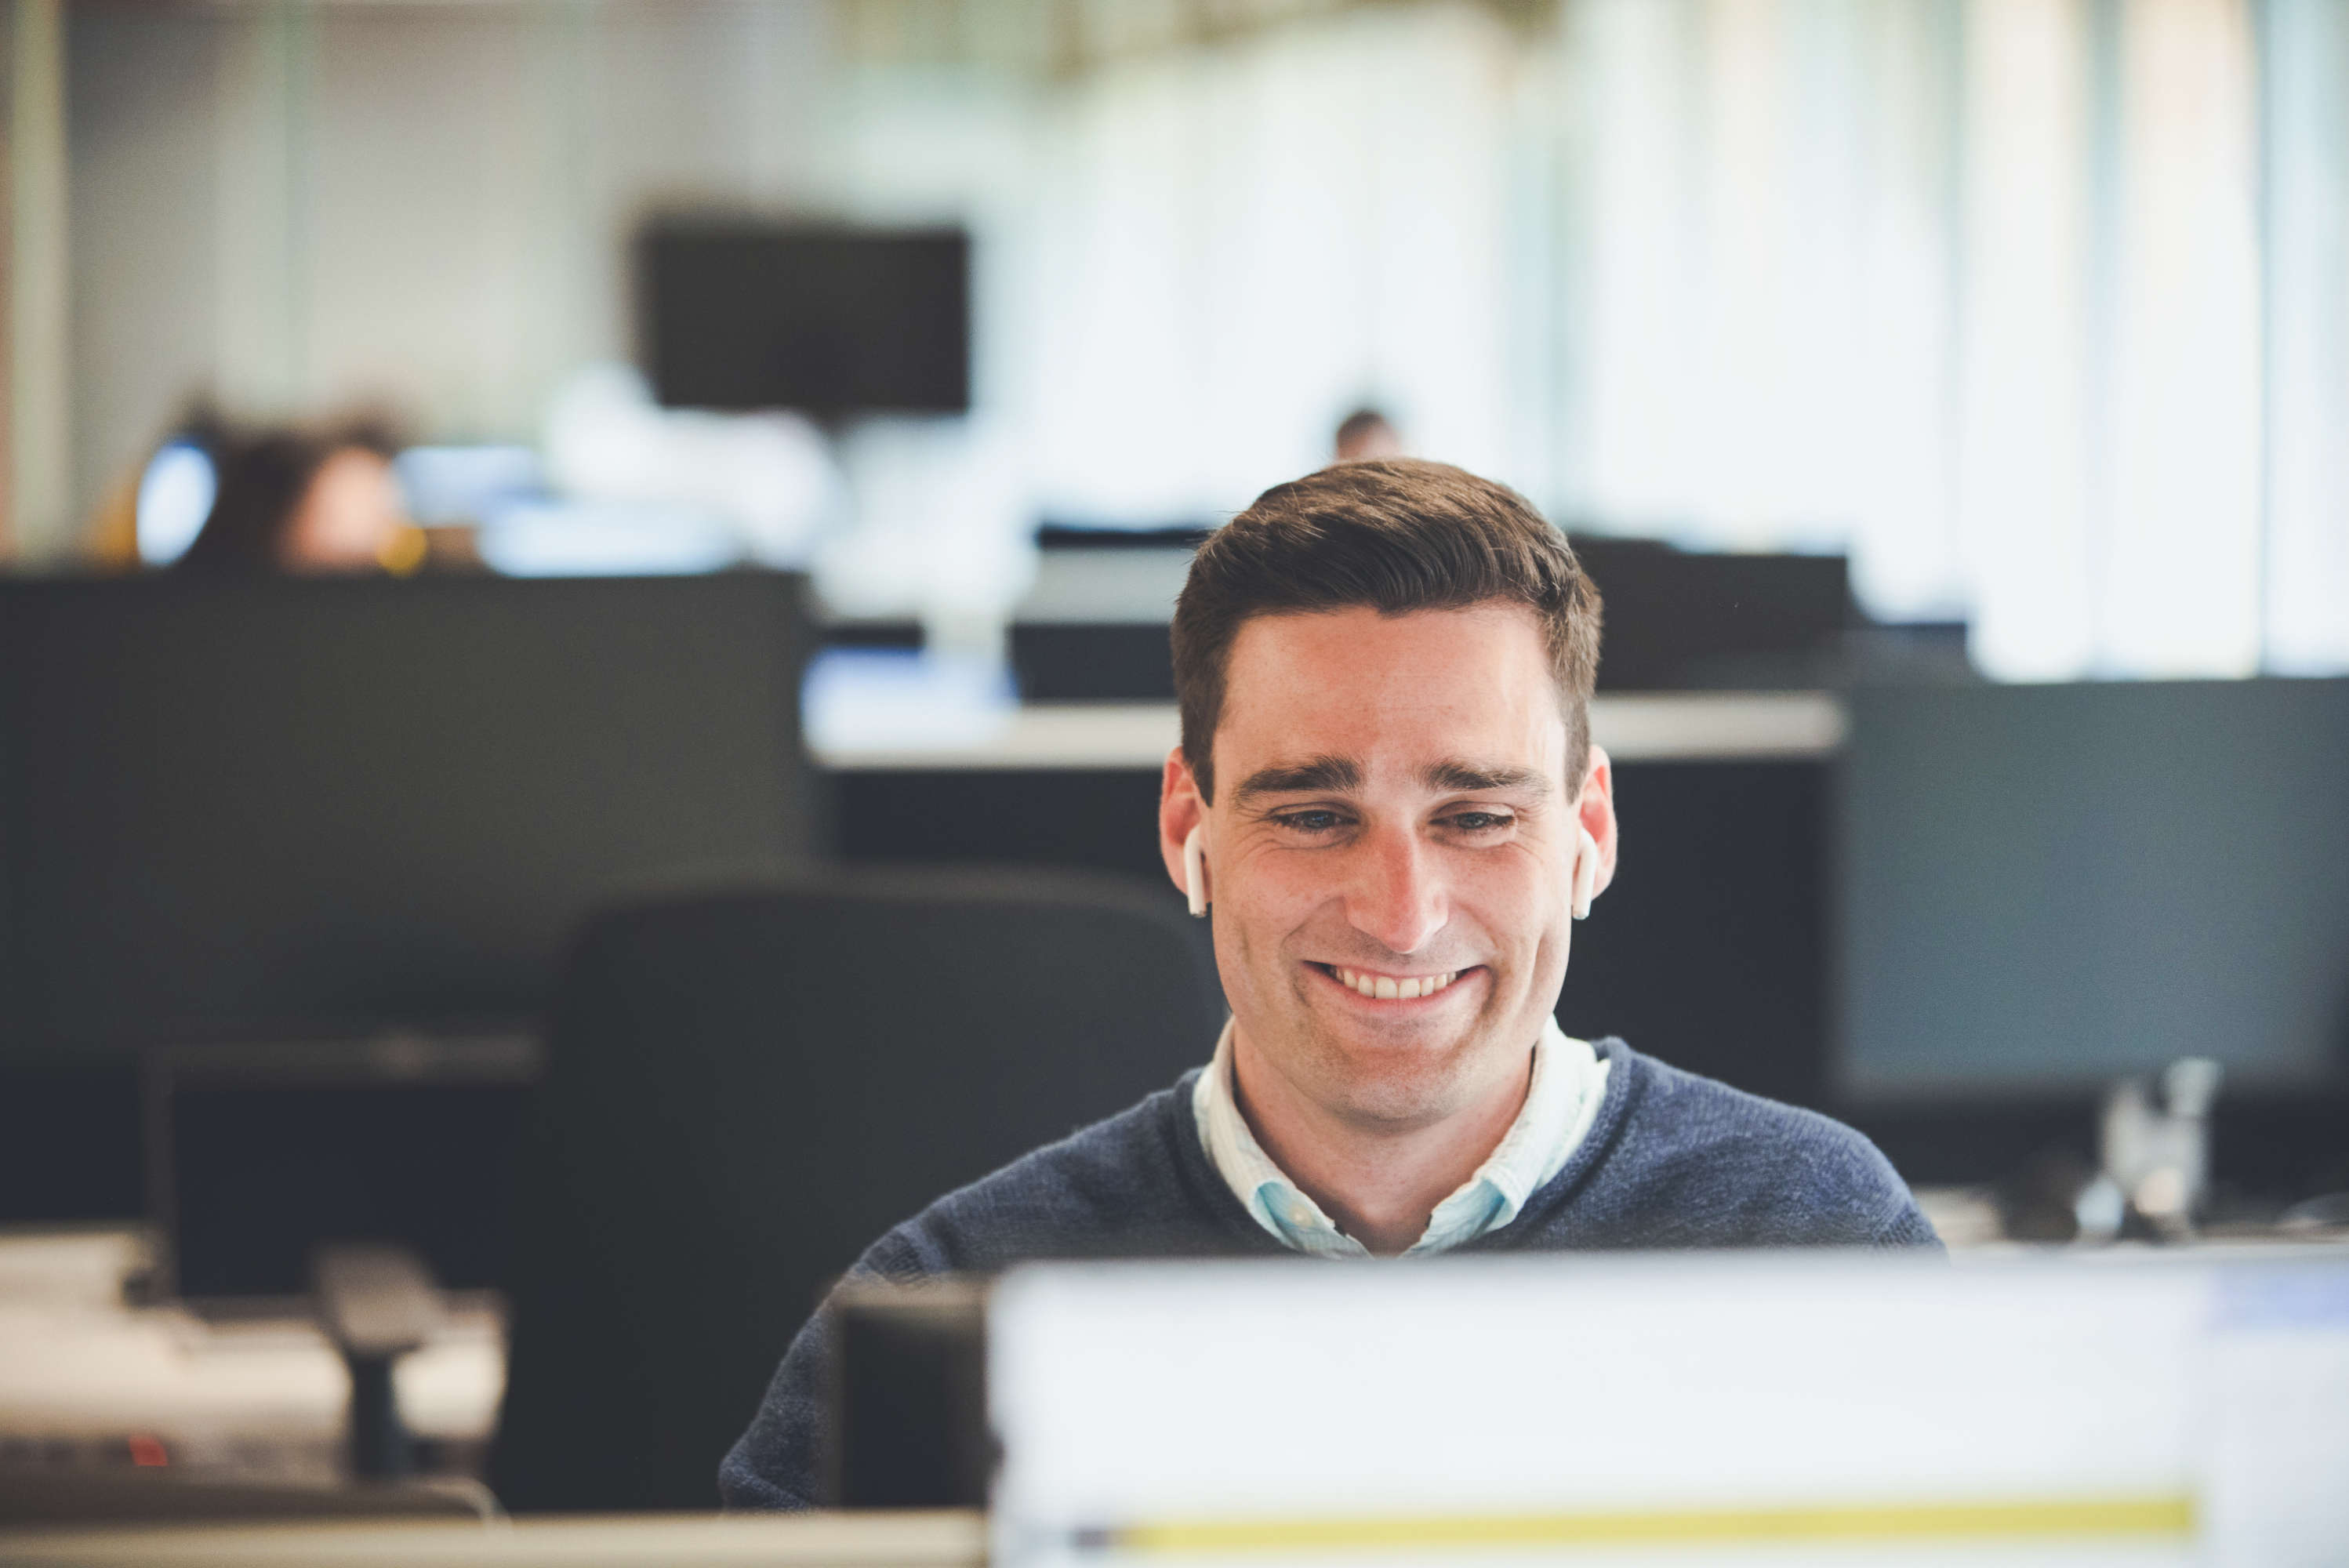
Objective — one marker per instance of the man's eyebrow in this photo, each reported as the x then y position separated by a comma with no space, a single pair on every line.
1454,776
1333,773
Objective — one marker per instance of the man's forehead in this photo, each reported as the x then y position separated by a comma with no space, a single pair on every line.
1493,651
1425,693
1362,622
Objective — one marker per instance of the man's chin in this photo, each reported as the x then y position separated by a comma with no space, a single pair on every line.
1401,1072
1398,1096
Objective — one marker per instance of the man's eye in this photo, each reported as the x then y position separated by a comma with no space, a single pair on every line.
1478,821
1311,821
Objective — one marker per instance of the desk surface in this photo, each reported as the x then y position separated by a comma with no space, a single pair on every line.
258,1399
1648,727
940,1540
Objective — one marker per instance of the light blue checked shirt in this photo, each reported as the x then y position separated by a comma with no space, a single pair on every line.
1568,1081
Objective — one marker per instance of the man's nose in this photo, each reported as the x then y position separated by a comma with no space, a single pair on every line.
1397,899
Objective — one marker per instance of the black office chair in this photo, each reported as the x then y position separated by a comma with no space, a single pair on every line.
746,1088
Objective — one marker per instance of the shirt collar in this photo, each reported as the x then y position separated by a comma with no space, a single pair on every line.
1569,1079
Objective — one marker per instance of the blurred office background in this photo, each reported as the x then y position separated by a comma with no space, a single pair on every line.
2021,303
1951,397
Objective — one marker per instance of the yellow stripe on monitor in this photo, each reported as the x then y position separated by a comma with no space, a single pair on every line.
2164,1515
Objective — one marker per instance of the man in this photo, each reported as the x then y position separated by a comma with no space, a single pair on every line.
306,503
1387,795
1363,434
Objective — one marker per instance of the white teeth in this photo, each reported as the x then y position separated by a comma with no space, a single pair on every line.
1385,987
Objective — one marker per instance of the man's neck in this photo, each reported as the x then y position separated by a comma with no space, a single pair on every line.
1380,1184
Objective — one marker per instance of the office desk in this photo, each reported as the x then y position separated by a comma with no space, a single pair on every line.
942,1539
82,1376
1658,726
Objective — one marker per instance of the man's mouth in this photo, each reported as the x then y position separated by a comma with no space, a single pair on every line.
1390,987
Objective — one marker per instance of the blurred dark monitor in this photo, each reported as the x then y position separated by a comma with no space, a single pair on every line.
908,1406
1124,662
1676,621
257,1154
251,809
1698,620
743,315
2044,887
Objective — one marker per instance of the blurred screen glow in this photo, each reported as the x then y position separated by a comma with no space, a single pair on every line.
1730,1411
175,496
467,484
559,539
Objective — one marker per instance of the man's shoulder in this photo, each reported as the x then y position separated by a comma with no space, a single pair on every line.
1119,1188
1691,1161
1686,1115
1116,1188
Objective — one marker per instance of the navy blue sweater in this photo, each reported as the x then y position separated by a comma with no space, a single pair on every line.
1672,1159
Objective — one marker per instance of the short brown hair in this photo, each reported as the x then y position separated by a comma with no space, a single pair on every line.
1393,535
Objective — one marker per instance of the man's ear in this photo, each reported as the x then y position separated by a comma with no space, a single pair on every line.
1180,810
1596,808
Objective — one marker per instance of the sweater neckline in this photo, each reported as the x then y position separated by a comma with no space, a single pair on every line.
1211,1192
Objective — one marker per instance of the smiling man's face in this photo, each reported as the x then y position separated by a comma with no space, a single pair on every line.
1391,815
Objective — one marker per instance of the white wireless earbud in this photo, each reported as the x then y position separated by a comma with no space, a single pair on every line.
1194,872
1585,875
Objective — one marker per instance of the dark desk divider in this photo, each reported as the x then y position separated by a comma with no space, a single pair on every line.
235,807
247,810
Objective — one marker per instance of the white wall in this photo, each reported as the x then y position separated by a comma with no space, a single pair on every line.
293,206
36,437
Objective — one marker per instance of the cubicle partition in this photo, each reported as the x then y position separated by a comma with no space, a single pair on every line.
327,817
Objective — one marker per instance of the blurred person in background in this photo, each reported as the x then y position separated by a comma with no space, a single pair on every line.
306,503
1363,435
